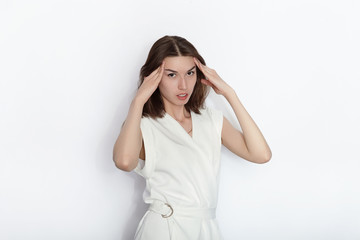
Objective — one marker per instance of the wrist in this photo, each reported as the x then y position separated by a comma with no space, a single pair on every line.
138,102
229,92
139,98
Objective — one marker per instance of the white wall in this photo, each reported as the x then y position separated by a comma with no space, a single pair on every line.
69,70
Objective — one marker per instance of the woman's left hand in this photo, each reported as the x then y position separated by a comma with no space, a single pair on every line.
213,79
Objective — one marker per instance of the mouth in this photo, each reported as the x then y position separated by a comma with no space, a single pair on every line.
182,96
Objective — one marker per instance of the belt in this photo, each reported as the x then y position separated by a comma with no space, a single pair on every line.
167,210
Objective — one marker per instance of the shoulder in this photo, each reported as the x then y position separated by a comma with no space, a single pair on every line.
211,112
146,123
148,120
152,123
214,116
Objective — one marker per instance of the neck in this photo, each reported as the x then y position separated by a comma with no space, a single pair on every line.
178,112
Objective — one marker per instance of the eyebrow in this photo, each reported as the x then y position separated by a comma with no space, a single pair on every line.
177,72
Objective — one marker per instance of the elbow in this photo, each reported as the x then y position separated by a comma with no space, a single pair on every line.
124,163
123,166
265,158
262,159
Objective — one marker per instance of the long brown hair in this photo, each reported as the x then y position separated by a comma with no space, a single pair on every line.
169,46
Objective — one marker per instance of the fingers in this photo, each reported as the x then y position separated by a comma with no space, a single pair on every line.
207,82
203,68
199,64
158,76
210,74
157,72
162,67
153,73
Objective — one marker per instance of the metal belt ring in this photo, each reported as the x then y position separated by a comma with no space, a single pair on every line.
171,213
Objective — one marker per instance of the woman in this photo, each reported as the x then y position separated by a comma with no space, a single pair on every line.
171,139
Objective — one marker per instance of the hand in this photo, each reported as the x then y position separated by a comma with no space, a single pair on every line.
150,84
213,79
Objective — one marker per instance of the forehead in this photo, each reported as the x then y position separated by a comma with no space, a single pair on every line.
179,63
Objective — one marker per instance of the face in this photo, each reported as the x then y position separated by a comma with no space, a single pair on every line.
178,81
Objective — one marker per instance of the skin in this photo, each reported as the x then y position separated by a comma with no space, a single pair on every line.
174,77
179,77
249,144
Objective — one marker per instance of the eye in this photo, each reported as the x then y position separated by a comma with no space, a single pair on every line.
190,73
172,75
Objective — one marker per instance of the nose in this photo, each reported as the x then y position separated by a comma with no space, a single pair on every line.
182,84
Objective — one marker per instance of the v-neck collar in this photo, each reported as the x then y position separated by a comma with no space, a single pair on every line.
176,123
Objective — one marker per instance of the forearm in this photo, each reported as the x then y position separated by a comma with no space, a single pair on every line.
255,141
128,144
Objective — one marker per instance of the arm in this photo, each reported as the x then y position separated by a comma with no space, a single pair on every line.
129,146
250,145
129,142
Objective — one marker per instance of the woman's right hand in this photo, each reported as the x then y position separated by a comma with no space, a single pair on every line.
150,84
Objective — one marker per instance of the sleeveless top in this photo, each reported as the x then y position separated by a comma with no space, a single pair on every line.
182,177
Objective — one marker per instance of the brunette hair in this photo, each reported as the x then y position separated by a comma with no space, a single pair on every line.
169,46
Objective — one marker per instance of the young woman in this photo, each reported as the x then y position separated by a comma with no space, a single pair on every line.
171,139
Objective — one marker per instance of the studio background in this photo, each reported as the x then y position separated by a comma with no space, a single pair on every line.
69,70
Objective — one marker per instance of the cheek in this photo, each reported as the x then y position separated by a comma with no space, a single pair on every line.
161,88
167,83
193,81
164,87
